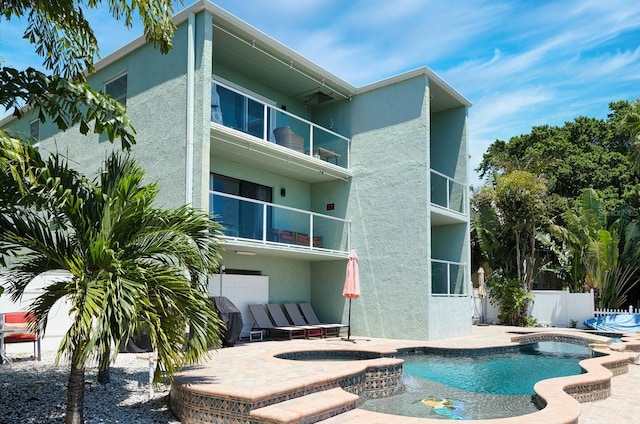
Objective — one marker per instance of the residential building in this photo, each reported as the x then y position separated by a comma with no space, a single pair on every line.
300,166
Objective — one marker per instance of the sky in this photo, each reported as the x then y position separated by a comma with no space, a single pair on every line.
522,63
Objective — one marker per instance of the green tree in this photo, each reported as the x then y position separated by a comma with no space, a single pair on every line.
506,218
631,125
583,153
133,266
521,198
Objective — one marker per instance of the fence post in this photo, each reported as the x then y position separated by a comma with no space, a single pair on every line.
567,323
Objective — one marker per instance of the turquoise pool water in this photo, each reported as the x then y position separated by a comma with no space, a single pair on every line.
479,386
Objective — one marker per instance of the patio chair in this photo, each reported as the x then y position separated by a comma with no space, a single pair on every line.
297,319
19,328
275,310
263,322
311,317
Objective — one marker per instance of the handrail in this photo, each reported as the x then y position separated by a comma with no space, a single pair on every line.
448,282
448,179
442,261
331,145
283,225
284,112
260,202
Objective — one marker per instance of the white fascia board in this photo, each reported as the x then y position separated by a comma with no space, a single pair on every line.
426,71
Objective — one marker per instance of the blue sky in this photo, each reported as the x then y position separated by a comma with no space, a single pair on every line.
521,63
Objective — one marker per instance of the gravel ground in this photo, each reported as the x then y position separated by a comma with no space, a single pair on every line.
36,392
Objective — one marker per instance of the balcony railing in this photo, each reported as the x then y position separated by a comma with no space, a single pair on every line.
252,220
448,278
241,112
448,193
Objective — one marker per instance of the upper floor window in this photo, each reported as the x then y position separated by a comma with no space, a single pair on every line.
34,130
117,88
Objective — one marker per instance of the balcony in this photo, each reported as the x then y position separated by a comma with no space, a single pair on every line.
248,129
451,197
251,224
448,278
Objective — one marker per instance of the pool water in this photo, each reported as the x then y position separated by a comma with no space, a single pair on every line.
495,385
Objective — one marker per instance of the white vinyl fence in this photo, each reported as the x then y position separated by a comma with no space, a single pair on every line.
550,308
559,308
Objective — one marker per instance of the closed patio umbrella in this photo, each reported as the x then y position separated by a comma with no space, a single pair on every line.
482,294
351,288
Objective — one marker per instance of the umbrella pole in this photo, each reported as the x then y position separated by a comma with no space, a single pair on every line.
349,328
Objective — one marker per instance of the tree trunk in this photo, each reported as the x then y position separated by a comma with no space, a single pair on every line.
103,372
75,395
518,264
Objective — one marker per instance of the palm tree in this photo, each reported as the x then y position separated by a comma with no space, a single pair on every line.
133,266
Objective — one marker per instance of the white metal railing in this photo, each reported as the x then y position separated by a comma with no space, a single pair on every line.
266,223
240,111
448,278
448,193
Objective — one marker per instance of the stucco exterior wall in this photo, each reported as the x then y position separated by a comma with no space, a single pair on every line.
449,144
156,106
389,206
288,278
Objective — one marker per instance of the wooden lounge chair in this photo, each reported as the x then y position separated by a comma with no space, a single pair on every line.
275,310
311,317
263,322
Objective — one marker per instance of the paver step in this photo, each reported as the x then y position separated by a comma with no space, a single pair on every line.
309,408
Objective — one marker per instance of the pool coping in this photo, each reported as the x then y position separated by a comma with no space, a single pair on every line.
198,401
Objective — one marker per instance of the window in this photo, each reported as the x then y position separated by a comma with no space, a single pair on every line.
117,88
238,108
240,218
34,130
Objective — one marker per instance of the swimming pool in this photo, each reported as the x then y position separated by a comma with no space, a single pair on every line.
495,383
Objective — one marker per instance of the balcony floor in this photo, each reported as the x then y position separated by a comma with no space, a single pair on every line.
289,251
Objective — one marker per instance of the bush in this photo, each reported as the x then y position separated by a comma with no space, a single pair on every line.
512,298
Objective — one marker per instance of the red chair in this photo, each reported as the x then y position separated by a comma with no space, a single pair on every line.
22,321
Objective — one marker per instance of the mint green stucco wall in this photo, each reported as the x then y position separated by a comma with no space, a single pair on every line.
156,85
288,278
449,144
388,203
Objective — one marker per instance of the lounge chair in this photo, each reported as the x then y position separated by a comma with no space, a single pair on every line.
263,322
275,310
312,319
297,319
